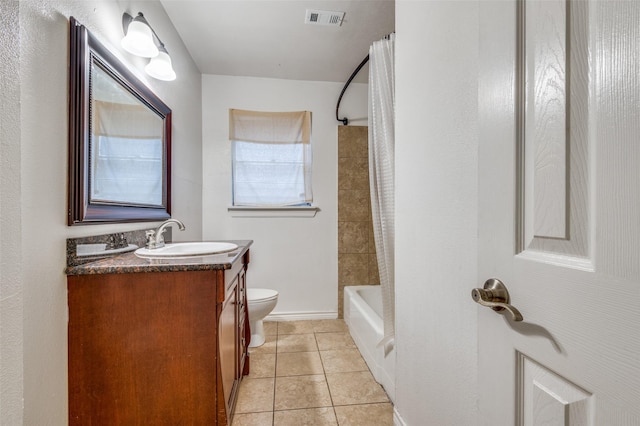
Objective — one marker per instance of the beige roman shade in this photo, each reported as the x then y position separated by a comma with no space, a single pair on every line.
270,127
130,121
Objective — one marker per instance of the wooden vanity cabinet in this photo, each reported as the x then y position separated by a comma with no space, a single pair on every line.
157,348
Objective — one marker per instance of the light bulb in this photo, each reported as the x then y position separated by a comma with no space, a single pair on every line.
160,67
139,40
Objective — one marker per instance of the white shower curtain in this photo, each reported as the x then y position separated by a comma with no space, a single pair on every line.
381,170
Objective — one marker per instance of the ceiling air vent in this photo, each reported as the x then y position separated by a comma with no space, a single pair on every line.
323,17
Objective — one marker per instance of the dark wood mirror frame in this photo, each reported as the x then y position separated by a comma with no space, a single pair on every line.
85,49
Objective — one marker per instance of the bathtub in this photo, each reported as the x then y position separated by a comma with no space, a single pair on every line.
363,315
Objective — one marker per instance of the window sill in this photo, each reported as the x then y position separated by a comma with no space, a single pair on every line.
248,211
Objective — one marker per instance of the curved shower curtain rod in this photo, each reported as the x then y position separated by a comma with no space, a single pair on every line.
345,120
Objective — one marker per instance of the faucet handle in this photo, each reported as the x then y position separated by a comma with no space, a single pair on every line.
111,243
150,234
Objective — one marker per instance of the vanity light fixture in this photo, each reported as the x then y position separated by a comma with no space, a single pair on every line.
160,66
138,39
141,40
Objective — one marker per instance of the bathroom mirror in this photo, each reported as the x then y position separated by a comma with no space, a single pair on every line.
119,139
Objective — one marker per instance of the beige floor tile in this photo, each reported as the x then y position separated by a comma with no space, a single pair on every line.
270,328
365,415
301,392
255,395
355,388
317,364
330,326
343,361
308,417
262,365
269,346
299,364
253,419
295,327
329,341
297,343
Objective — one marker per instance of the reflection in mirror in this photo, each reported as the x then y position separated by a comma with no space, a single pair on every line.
126,145
119,140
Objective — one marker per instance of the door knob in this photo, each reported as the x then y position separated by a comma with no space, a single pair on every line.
494,295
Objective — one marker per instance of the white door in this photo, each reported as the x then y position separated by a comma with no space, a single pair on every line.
559,212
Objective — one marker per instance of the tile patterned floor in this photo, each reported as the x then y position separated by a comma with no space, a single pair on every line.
310,373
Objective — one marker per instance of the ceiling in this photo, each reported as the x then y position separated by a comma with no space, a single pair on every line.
268,38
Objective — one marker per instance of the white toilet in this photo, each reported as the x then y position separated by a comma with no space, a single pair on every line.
261,302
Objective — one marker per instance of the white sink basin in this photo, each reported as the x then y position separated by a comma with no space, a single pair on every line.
176,250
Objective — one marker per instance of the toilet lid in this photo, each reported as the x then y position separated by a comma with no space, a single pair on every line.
261,294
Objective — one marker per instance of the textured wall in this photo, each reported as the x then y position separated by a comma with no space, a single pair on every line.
11,318
357,263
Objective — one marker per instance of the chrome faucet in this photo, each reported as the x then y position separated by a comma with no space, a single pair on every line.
154,237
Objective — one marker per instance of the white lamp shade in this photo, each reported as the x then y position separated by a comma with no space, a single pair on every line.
139,40
160,67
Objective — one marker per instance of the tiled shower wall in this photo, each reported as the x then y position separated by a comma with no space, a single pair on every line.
357,264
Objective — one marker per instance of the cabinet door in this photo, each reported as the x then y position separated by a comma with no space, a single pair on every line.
243,325
227,340
141,349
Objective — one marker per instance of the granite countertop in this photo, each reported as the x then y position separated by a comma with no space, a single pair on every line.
127,263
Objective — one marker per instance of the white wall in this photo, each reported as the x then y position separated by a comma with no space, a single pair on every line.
34,186
11,342
436,211
296,256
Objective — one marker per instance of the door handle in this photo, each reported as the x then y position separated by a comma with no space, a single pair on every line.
494,295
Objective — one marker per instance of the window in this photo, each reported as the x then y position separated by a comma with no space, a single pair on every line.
127,150
127,170
271,158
